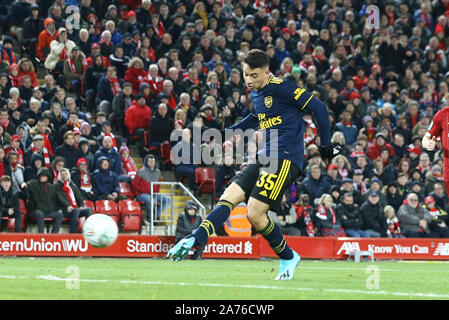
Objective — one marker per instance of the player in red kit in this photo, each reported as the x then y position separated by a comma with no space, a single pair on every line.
439,128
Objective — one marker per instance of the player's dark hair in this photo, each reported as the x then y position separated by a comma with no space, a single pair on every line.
257,58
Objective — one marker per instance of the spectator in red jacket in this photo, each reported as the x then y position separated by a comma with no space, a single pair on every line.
360,79
379,143
138,115
135,73
137,119
45,38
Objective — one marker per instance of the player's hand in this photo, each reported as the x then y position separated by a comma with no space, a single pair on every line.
331,151
431,144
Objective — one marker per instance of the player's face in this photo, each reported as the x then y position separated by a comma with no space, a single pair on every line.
255,78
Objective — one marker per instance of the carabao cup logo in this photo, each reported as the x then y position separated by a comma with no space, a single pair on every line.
373,20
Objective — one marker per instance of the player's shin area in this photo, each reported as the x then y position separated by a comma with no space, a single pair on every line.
257,213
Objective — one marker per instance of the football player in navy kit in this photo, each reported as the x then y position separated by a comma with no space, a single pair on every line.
277,110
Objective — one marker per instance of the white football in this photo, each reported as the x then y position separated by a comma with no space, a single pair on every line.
100,230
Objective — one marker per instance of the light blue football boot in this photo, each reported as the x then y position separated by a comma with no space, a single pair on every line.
181,249
287,267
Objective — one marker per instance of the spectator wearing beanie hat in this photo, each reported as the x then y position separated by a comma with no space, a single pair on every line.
14,145
95,51
434,176
368,129
413,153
82,178
335,192
86,133
438,224
106,131
7,53
87,154
31,170
45,38
359,182
393,195
129,169
130,23
264,39
332,176
417,187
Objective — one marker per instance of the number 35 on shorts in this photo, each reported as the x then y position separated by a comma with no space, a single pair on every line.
271,183
266,181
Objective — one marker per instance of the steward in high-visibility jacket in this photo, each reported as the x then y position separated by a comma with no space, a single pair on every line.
238,224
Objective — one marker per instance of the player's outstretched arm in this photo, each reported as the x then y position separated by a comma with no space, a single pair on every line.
327,150
322,117
249,122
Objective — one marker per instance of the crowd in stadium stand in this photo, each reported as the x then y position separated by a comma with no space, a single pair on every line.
79,87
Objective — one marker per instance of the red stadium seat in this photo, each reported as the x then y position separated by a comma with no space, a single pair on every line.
126,190
131,215
23,206
165,152
205,179
90,204
12,223
81,223
24,210
131,222
108,207
127,206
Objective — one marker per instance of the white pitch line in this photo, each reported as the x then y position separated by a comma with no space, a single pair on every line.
355,269
248,286
241,286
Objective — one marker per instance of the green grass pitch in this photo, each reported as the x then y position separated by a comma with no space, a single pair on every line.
213,279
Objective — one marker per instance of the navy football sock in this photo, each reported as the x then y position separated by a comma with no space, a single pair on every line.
273,234
216,218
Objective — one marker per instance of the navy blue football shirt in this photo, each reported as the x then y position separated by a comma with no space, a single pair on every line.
279,105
